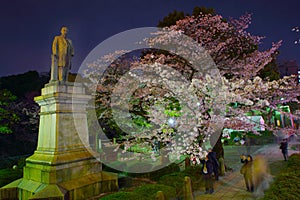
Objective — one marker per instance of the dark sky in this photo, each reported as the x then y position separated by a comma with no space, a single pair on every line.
28,27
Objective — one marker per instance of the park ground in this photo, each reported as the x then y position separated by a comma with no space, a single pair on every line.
231,186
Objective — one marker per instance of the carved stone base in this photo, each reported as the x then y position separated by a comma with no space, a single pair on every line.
77,189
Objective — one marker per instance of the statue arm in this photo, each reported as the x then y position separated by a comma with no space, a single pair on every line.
54,46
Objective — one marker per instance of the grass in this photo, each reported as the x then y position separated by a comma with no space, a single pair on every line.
169,179
144,192
278,167
9,175
286,185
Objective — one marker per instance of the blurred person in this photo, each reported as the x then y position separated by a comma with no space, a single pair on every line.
213,157
236,139
284,148
261,175
246,170
207,170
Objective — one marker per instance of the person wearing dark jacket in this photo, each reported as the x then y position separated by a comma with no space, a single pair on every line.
207,170
284,148
212,156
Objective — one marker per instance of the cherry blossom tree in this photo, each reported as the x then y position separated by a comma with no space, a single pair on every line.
178,98
238,58
234,50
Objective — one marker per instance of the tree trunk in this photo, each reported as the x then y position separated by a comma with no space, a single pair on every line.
218,148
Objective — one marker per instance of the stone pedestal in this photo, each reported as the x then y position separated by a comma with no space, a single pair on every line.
63,166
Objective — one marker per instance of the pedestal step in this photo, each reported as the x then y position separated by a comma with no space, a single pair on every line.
77,189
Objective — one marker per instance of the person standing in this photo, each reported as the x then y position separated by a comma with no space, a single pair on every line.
62,52
213,157
207,170
247,171
284,148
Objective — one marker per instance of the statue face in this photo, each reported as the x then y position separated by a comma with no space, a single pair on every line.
64,30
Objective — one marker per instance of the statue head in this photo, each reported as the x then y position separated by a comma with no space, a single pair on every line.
64,30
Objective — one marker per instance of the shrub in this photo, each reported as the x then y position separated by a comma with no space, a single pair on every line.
156,175
194,172
176,179
148,192
294,161
123,196
145,192
286,186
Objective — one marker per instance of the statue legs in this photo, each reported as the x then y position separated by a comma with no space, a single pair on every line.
58,72
63,73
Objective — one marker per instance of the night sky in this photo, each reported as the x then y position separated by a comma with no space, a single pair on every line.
28,27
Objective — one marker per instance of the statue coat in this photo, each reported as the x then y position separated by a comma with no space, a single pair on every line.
63,50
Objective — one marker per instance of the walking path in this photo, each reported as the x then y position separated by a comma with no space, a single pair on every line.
232,185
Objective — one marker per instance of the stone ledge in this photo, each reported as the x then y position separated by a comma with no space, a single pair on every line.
76,189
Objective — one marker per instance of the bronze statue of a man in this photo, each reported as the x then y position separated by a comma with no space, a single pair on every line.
62,52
